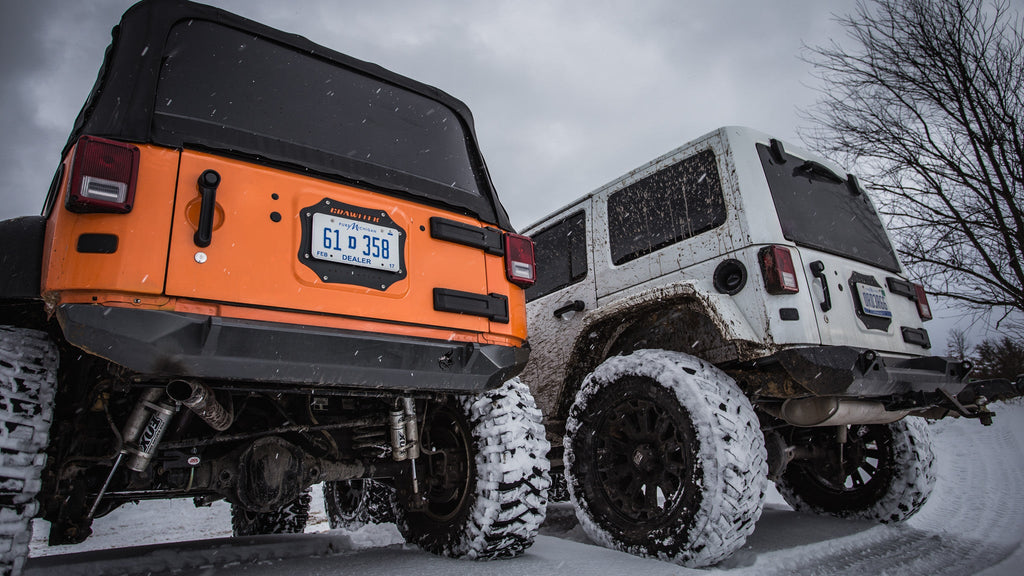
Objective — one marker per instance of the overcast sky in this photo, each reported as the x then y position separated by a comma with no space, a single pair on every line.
566,95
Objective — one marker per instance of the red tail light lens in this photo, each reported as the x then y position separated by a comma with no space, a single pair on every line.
103,176
924,310
520,266
778,270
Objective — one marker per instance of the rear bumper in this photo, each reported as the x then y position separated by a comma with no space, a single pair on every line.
853,372
173,344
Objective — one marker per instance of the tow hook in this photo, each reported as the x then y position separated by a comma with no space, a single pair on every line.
979,410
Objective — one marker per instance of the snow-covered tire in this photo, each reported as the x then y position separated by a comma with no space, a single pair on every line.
664,457
559,491
352,504
888,475
288,520
486,483
28,383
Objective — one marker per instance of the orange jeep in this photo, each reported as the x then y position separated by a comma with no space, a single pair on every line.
263,265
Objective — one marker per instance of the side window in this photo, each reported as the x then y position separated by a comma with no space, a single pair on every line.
561,254
675,203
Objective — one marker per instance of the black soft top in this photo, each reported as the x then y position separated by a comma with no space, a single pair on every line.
121,104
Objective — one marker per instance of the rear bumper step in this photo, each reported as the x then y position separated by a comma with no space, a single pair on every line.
174,344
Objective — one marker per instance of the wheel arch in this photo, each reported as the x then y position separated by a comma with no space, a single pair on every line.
679,317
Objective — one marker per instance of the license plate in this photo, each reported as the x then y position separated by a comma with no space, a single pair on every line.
346,241
872,301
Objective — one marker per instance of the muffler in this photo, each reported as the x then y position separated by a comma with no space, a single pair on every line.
831,411
200,399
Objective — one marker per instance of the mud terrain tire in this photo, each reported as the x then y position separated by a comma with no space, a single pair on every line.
487,496
889,475
559,491
665,458
28,382
352,504
289,520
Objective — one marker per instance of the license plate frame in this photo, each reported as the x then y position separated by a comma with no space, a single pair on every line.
873,301
356,243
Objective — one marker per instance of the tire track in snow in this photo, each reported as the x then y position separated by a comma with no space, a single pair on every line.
974,519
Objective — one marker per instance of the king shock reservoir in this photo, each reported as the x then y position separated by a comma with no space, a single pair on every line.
144,429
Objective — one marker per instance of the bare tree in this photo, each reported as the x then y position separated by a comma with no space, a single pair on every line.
957,346
929,106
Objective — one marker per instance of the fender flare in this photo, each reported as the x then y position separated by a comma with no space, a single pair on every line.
21,268
611,329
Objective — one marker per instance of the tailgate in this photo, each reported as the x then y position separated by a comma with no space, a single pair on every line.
282,241
862,306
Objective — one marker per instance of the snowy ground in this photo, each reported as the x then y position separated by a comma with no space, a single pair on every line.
974,523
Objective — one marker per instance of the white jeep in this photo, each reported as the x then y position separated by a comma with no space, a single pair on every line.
729,313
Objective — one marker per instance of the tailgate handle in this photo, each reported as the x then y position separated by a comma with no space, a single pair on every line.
208,182
818,271
574,306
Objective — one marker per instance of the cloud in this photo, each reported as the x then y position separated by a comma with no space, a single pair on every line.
49,55
566,95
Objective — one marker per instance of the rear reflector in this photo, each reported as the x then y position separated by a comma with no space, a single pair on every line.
923,309
103,176
778,270
520,266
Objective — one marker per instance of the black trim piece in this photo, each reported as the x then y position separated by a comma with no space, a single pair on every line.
918,336
854,183
778,151
821,170
901,288
574,306
491,306
21,257
172,344
789,314
487,239
97,244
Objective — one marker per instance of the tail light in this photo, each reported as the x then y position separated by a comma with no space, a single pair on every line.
778,270
103,176
520,266
924,310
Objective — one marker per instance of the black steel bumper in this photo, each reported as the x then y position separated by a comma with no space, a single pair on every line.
986,391
171,344
853,372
